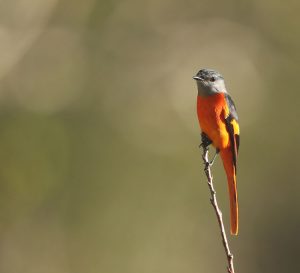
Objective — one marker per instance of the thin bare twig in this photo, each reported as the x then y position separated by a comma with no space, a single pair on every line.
213,200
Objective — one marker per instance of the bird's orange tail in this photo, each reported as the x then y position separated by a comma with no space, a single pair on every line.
230,170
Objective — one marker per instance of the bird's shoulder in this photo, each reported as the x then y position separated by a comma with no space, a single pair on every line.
231,106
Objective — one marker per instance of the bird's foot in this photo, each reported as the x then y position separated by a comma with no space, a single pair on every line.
205,141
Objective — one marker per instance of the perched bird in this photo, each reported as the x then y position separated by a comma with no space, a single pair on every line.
219,124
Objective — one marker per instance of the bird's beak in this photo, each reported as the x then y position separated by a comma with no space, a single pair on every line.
197,78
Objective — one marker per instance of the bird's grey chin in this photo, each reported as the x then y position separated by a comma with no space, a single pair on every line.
204,92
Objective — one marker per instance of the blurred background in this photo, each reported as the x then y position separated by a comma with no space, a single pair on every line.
100,167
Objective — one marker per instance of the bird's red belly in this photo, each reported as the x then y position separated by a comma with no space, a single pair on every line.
211,112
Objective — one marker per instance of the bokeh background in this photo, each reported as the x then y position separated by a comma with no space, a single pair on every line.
99,166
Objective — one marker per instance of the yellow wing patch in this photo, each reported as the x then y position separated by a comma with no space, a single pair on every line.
236,127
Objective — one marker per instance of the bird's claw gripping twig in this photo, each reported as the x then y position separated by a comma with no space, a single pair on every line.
205,142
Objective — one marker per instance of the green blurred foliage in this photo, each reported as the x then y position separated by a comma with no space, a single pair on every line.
100,170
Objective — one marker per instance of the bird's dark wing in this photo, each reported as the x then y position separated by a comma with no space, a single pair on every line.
231,106
232,127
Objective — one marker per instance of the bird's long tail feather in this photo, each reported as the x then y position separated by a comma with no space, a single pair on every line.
230,170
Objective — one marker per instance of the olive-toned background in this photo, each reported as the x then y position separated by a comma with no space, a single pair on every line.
99,166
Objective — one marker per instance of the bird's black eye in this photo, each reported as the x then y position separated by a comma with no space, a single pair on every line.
212,79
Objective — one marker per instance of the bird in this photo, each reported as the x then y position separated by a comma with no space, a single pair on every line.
218,122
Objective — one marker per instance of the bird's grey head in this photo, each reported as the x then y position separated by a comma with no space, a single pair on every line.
209,82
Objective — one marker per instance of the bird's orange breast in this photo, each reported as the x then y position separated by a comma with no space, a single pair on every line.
212,111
